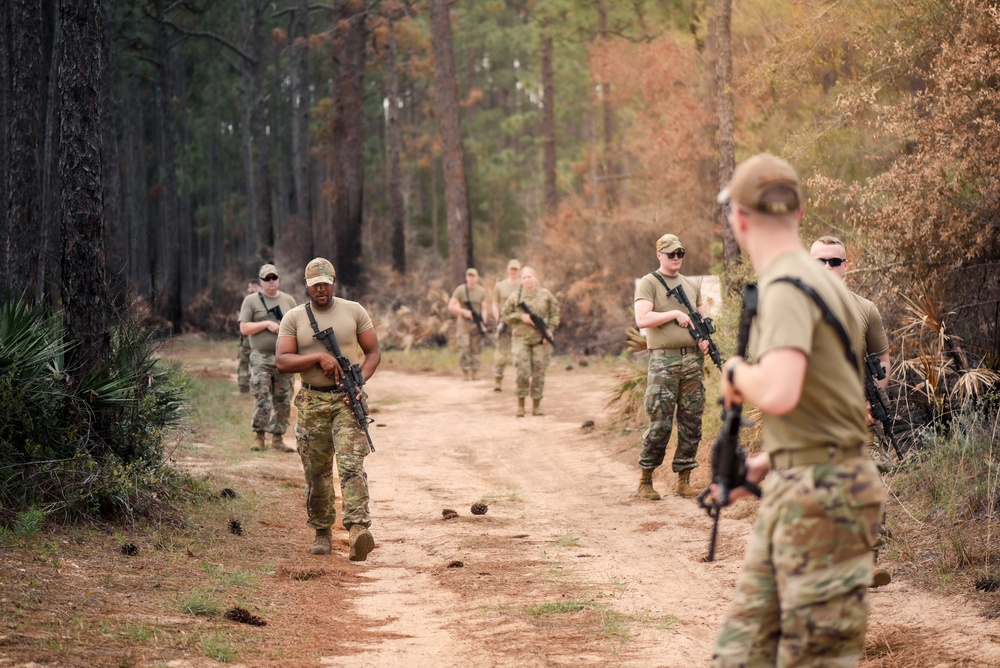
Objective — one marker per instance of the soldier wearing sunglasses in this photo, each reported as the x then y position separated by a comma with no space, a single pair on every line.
260,316
833,254
675,380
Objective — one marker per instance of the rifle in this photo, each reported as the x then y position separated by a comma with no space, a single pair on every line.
701,328
881,410
728,457
476,318
274,310
537,323
352,380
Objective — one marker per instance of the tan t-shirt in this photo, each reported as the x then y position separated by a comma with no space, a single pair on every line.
875,340
253,310
832,407
477,296
670,334
504,289
347,318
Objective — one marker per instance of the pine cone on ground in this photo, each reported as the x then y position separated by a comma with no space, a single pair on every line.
244,617
129,549
479,508
235,527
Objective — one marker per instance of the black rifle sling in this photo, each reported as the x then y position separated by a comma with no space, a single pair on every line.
828,316
664,283
269,310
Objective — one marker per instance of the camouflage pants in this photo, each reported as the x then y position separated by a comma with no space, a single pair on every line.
470,345
802,596
272,393
326,428
243,366
501,354
530,360
673,382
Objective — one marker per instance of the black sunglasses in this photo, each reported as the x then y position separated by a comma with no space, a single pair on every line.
832,261
675,254
272,277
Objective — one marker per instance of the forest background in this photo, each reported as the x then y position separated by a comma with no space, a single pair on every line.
408,140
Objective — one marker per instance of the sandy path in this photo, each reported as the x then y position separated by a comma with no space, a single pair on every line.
564,528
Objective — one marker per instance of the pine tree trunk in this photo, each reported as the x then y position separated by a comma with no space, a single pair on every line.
84,282
724,105
116,234
446,105
394,144
348,169
23,121
303,252
262,162
549,127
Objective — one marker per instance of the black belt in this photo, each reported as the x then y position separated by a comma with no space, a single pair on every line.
317,388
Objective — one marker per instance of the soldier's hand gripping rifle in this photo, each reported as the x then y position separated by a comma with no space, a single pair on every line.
701,328
350,383
537,323
881,410
728,457
477,318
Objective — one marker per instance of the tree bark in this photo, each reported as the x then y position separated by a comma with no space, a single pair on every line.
116,234
610,169
394,145
84,282
724,105
549,127
348,168
23,155
303,234
446,104
262,180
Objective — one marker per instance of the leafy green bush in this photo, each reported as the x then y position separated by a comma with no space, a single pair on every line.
94,448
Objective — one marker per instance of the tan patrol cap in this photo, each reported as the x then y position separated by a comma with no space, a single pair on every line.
513,264
667,243
267,270
764,183
319,270
471,272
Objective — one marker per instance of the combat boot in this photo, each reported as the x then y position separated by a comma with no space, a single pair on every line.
467,374
473,375
278,443
646,490
321,544
520,407
362,542
496,385
684,487
259,442
536,407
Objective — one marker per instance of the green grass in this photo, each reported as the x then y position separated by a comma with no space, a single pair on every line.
557,608
218,646
201,602
568,539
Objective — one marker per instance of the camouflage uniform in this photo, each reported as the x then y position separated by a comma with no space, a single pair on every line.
674,381
272,391
503,352
802,598
326,427
531,356
243,366
467,334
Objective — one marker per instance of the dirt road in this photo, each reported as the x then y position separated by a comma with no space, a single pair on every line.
567,567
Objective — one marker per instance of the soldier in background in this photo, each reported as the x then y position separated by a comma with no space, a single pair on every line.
501,291
466,303
832,252
243,356
676,377
260,316
531,354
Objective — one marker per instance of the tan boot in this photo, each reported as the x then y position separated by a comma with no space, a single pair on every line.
536,407
496,385
259,442
321,544
362,542
473,375
278,443
646,490
520,407
684,487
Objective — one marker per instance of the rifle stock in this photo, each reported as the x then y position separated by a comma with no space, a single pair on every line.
352,381
477,318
